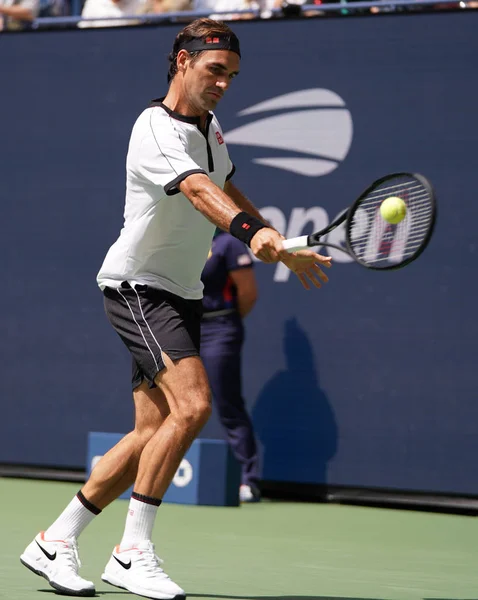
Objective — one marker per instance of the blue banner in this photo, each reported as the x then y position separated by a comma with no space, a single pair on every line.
370,381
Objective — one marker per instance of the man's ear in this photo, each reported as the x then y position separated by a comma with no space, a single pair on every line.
182,60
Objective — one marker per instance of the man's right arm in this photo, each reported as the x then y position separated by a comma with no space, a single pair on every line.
209,199
266,243
220,209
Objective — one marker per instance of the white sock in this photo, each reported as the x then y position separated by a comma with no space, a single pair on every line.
140,520
76,516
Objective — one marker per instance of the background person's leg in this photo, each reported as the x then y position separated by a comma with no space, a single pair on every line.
223,366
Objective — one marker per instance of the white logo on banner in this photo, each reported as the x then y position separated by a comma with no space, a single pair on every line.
312,122
184,474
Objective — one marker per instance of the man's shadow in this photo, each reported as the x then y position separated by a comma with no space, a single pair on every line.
293,418
108,592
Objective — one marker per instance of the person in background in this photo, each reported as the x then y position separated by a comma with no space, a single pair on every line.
218,8
16,15
110,9
230,292
154,7
55,8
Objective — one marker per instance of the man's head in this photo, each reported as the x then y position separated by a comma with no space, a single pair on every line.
206,58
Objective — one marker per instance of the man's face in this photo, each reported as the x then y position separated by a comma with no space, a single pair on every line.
207,79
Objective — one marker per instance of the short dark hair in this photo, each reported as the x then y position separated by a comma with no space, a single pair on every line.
200,28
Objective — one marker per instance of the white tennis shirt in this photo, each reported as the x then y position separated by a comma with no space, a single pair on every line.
165,241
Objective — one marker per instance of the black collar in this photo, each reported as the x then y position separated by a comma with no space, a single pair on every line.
179,116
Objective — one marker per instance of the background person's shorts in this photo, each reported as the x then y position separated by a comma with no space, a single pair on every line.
150,321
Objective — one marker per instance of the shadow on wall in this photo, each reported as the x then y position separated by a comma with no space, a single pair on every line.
293,418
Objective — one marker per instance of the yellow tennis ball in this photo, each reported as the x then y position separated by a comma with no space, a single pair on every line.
393,209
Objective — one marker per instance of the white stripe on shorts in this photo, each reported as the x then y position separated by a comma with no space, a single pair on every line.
140,330
147,324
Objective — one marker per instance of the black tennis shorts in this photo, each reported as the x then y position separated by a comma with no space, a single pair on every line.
150,322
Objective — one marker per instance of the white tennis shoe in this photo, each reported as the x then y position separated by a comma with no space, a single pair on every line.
58,562
139,571
249,494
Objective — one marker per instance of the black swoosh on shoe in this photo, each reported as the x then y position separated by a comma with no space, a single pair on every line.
46,553
124,565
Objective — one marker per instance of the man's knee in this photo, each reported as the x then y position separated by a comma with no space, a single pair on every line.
186,387
194,414
144,433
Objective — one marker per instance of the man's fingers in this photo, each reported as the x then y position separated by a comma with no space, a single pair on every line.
320,273
326,261
312,275
305,255
303,280
315,280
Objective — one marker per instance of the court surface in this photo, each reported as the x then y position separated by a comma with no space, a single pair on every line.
271,550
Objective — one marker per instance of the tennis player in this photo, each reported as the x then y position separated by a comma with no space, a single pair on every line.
178,189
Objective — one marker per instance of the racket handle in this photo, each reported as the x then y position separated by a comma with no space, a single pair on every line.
297,243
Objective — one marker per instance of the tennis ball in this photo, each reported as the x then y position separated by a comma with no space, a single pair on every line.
393,210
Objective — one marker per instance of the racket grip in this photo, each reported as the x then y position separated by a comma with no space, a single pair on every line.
297,243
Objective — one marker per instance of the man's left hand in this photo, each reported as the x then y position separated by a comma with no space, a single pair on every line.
306,264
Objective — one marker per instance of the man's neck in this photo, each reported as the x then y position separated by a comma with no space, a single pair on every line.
176,102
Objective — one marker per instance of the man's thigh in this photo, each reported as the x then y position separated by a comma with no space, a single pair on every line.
153,324
185,384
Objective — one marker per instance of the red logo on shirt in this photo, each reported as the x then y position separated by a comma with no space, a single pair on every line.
219,138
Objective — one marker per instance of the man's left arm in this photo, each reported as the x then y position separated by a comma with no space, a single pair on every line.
243,203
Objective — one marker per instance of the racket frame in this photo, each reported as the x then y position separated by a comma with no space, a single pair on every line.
314,239
353,208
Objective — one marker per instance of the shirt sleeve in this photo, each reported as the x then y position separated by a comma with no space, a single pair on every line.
236,255
163,159
231,170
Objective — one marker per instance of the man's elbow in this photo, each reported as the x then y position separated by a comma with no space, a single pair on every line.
194,188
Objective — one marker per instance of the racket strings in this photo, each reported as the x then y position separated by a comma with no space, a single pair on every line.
380,243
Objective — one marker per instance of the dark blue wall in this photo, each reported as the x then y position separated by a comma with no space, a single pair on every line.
371,381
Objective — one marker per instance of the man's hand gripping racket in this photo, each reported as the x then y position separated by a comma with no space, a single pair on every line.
386,228
267,246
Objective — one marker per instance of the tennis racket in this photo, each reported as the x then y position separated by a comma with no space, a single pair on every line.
371,240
